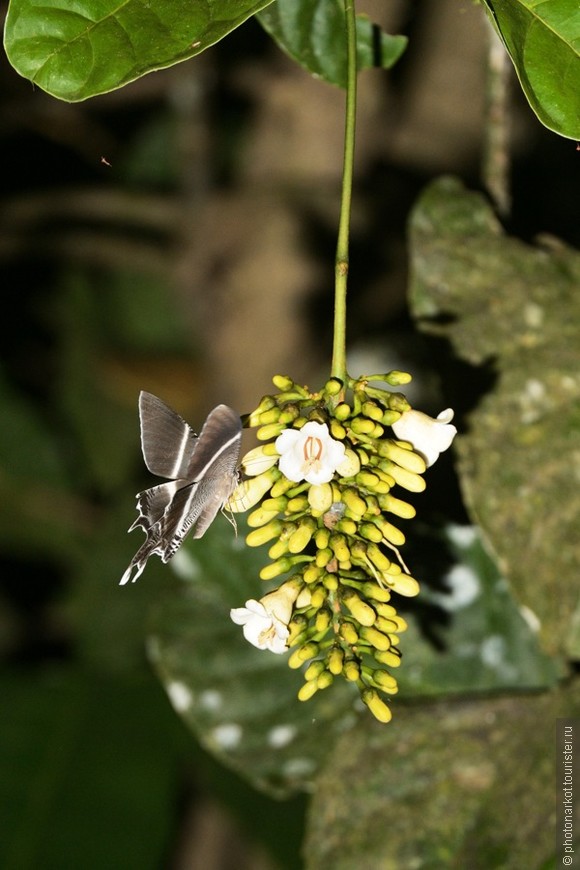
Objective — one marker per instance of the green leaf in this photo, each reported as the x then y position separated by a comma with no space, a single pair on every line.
240,701
543,42
437,788
75,49
498,299
467,634
312,32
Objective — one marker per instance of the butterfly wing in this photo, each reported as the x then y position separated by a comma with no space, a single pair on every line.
167,441
169,511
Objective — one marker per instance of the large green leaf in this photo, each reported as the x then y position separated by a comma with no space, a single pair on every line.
75,49
504,303
312,32
438,787
543,40
241,702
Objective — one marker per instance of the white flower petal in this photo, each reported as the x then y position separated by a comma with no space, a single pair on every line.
429,437
309,453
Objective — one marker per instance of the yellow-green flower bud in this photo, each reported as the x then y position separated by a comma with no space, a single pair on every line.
362,612
397,507
397,402
335,660
264,534
320,497
339,547
325,680
342,411
270,416
302,654
390,532
362,426
321,538
403,457
289,414
376,592
307,690
283,383
301,537
397,378
333,387
367,479
375,638
330,582
376,705
385,682
407,479
312,573
348,633
372,410
355,505
337,430
388,611
371,532
275,504
314,670
274,569
378,558
404,584
297,505
350,466
281,487
318,597
390,417
278,549
260,517
269,431
386,625
390,657
351,671
346,526
322,620
323,557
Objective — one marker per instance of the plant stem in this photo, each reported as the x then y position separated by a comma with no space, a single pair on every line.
341,262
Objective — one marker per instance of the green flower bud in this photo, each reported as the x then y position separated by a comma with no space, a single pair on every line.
404,584
373,411
323,619
375,638
330,582
297,505
307,690
378,558
385,681
301,537
371,532
302,654
289,414
362,612
351,671
281,487
346,527
396,506
312,573
325,680
321,538
397,402
283,382
376,705
362,426
403,457
348,633
407,479
339,547
323,557
264,534
350,466
388,611
314,670
320,497
275,504
342,412
355,505
279,549
337,430
376,592
269,431
390,657
386,625
389,531
270,416
333,387
335,660
318,597
260,517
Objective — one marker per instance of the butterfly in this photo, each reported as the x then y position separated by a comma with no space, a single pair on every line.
201,472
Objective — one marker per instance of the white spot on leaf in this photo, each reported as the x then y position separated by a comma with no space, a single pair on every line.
281,735
180,696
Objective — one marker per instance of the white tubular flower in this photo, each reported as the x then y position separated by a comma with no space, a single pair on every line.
265,622
429,436
309,453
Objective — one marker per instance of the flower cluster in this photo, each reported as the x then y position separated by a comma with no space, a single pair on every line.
321,487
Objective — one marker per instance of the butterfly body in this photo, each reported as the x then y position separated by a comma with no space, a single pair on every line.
201,471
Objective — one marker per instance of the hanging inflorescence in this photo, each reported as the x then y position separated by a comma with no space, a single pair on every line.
320,486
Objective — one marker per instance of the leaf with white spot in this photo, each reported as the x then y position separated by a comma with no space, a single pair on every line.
466,633
240,702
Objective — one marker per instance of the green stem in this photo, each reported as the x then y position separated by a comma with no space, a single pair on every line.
341,262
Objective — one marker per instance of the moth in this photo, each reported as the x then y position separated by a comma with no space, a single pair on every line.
201,472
